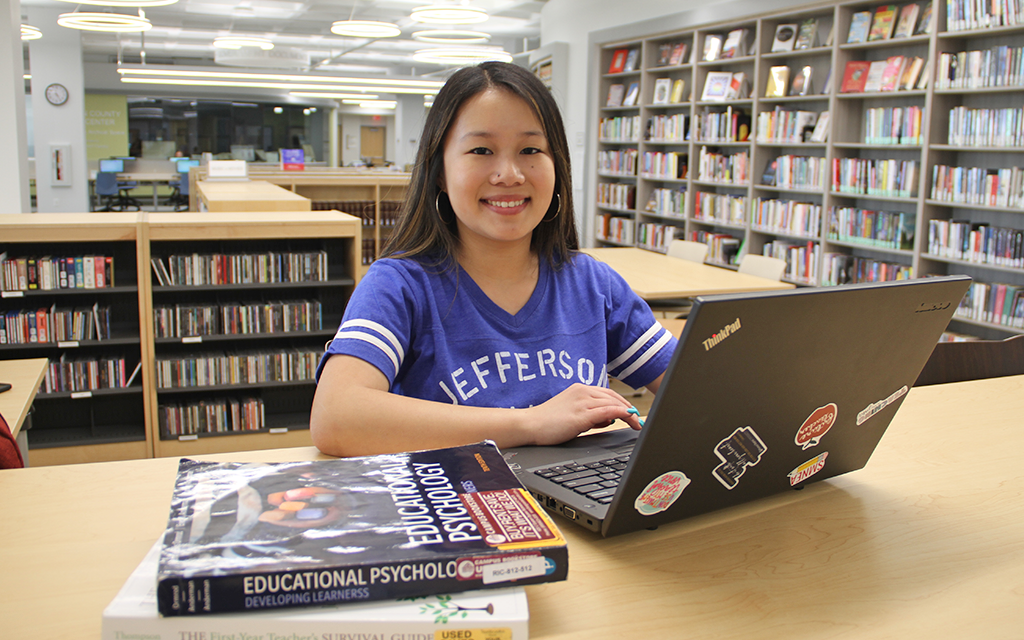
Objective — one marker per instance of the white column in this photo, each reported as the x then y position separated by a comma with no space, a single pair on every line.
410,114
14,167
56,58
333,155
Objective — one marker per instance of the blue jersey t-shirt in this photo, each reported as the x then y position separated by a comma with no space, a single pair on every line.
435,335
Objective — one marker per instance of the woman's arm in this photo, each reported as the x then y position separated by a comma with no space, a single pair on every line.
354,414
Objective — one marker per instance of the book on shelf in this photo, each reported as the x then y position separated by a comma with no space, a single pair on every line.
616,93
631,95
678,54
618,63
631,60
831,35
893,73
911,73
926,22
860,24
678,87
664,54
807,36
716,86
712,47
922,82
802,82
769,177
785,37
907,22
882,23
662,90
826,87
739,87
876,70
737,43
820,133
491,613
778,81
246,537
855,76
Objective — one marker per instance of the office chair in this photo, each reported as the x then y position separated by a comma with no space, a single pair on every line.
106,189
973,360
762,266
124,200
179,198
683,250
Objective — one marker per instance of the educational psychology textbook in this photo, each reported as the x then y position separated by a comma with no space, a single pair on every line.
498,614
252,536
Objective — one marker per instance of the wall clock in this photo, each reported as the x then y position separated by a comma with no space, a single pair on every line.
56,94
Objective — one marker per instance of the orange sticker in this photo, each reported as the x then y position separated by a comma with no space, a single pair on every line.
816,425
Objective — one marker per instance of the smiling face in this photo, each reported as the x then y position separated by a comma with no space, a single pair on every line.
498,170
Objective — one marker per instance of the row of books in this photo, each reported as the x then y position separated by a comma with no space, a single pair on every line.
624,60
796,36
670,165
240,268
999,66
796,172
245,367
55,325
801,258
786,216
77,375
979,186
786,125
673,54
868,176
995,303
614,229
621,128
668,128
48,273
963,15
840,268
390,210
730,125
720,167
734,44
981,127
722,247
369,252
779,85
895,73
974,242
211,415
890,21
720,86
885,229
720,207
669,91
893,125
667,202
618,161
655,236
620,96
235,318
616,196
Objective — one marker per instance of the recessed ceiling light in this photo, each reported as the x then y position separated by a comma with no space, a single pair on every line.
365,29
123,3
28,32
448,14
107,22
373,104
463,55
451,36
237,42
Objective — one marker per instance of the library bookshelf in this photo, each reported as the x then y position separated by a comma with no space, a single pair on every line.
227,334
881,187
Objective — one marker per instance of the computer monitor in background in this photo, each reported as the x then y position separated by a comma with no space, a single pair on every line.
112,165
185,163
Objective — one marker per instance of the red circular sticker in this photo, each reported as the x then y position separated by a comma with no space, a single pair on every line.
816,425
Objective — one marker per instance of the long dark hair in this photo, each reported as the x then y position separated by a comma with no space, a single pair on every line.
423,231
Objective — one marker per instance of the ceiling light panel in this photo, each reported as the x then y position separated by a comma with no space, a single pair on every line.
451,36
449,14
28,32
106,22
239,42
365,29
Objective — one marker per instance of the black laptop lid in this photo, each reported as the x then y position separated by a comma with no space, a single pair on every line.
770,391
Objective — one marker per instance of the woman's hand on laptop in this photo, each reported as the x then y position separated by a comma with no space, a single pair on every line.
576,410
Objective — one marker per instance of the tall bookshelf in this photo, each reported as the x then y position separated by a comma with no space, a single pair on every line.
711,183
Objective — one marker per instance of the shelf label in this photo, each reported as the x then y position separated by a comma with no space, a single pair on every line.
187,438
279,430
78,395
67,344
192,340
13,294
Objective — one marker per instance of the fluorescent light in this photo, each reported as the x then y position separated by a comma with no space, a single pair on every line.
373,104
237,42
425,86
123,3
106,22
464,55
365,29
448,14
333,96
28,32
451,36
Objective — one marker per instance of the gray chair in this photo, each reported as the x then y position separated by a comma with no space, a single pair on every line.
762,266
684,250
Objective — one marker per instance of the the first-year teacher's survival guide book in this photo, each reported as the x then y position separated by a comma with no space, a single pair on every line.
248,536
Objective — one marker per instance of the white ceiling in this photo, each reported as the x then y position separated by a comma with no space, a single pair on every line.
183,32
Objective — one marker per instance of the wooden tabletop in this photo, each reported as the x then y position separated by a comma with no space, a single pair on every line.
655,276
249,195
927,541
24,376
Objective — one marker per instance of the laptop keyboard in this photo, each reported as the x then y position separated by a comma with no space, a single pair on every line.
596,480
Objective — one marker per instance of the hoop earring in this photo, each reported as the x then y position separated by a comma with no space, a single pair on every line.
437,205
557,211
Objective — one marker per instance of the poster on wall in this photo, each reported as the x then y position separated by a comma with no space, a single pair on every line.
106,126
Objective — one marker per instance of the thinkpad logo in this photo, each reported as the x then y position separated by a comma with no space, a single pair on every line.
722,334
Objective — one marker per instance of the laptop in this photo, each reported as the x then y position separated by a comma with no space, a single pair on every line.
766,392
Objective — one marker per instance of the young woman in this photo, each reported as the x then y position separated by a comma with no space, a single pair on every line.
482,320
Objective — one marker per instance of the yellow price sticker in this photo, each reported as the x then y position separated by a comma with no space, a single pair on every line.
494,633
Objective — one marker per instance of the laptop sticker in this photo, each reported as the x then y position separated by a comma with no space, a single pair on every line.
875,407
807,469
740,450
661,493
816,425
